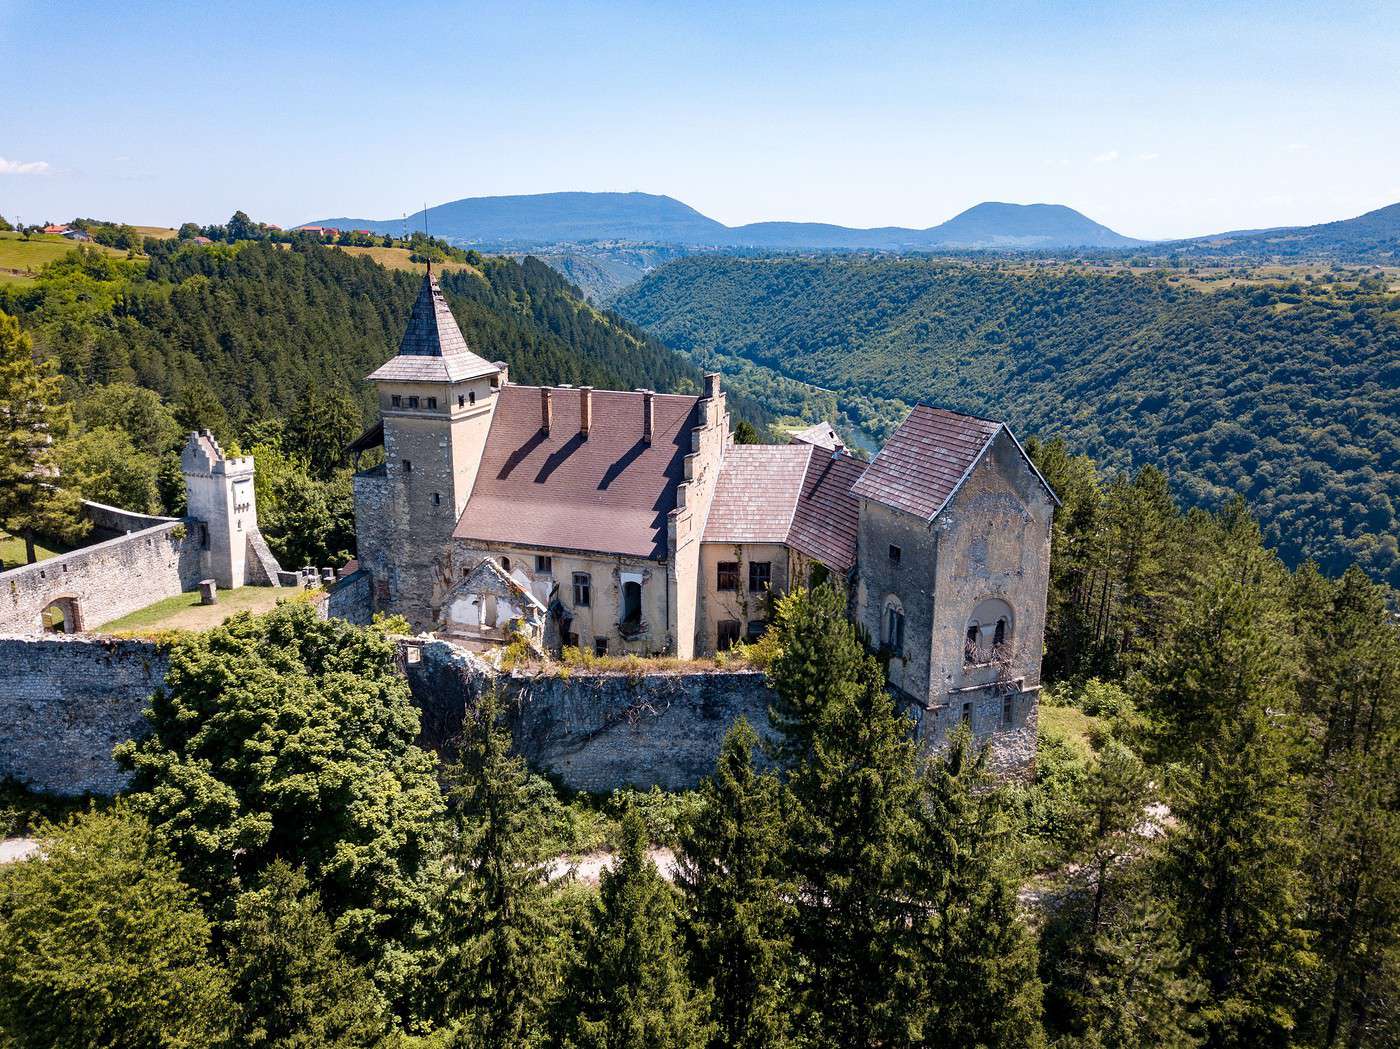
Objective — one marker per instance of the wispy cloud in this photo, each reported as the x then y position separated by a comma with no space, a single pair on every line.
1297,147
1106,158
1148,156
23,167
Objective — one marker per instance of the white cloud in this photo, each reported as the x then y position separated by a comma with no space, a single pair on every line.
1106,158
23,167
1148,156
1297,147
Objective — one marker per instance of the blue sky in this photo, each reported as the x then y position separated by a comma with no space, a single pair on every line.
1157,119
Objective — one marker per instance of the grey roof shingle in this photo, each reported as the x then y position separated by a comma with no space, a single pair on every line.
925,460
757,492
433,348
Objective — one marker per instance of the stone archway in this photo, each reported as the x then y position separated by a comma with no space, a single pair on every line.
63,615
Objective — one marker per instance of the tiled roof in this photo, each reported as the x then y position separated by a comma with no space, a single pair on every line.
433,349
757,492
828,512
610,493
823,435
924,460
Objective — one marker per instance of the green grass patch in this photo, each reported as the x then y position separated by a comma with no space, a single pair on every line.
21,260
184,612
1071,726
13,555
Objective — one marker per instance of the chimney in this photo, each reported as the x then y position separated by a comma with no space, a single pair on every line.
546,408
585,409
648,415
712,384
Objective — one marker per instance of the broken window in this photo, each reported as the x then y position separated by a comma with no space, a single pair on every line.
395,401
432,402
471,397
600,646
895,554
760,575
544,564
461,400
728,635
967,714
1008,710
999,635
631,603
974,632
583,590
407,466
756,629
413,402
727,576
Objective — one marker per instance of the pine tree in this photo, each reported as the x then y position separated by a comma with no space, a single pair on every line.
292,985
976,981
737,899
629,988
819,666
496,939
1232,870
33,499
851,828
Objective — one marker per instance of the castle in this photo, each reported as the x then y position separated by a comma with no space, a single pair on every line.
630,522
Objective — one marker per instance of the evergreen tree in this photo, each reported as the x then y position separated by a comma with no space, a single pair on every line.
629,988
737,900
101,945
33,500
745,433
1232,869
291,985
851,829
819,666
975,982
496,963
321,427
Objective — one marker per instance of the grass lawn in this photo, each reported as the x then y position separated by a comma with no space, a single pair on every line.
12,553
184,612
1070,724
21,260
155,232
397,259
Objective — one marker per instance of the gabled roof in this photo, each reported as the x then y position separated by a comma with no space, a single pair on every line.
827,520
757,493
433,349
926,460
610,493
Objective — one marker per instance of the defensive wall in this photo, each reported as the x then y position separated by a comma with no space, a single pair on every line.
147,558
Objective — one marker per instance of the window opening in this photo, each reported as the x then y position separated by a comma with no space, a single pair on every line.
760,575
728,634
544,564
583,590
727,576
895,554
631,603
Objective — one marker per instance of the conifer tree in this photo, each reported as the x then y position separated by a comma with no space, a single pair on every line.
291,984
976,981
851,828
33,500
629,989
820,664
496,964
1232,870
737,899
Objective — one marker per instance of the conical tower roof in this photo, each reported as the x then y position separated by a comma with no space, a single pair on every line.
433,349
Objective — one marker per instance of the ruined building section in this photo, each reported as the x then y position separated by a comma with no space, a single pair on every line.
954,552
224,514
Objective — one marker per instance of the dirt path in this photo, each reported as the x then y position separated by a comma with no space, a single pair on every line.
15,849
589,867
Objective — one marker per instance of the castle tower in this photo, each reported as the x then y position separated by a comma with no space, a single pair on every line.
220,501
436,400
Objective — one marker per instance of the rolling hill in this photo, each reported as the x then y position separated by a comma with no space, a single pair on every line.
558,218
1372,237
1287,393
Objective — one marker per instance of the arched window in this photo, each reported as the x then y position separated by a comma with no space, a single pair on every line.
989,632
505,565
892,628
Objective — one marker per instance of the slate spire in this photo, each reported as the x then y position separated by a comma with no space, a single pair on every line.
432,332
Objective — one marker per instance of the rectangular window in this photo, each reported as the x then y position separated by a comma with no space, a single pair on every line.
471,397
544,564
728,635
600,646
727,576
894,631
583,590
413,402
756,628
432,402
395,401
1008,710
967,714
407,466
760,575
461,401
437,499
895,554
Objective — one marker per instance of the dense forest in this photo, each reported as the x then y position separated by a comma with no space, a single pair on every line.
1208,856
1286,392
268,346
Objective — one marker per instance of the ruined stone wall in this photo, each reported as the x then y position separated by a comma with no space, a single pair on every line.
65,702
594,731
105,581
350,598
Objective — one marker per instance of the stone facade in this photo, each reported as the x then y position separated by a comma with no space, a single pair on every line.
65,702
743,608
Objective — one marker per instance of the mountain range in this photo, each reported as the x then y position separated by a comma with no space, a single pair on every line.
557,218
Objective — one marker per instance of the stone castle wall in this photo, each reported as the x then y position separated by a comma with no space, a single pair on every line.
106,580
65,702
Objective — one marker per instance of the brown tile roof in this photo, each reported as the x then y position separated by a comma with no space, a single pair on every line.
610,493
433,349
757,492
828,512
925,460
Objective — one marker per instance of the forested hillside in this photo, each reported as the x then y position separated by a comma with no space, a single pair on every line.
1286,393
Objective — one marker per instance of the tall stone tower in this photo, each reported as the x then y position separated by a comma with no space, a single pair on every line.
436,401
221,506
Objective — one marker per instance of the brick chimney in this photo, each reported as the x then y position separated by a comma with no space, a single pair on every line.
648,415
585,409
546,408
